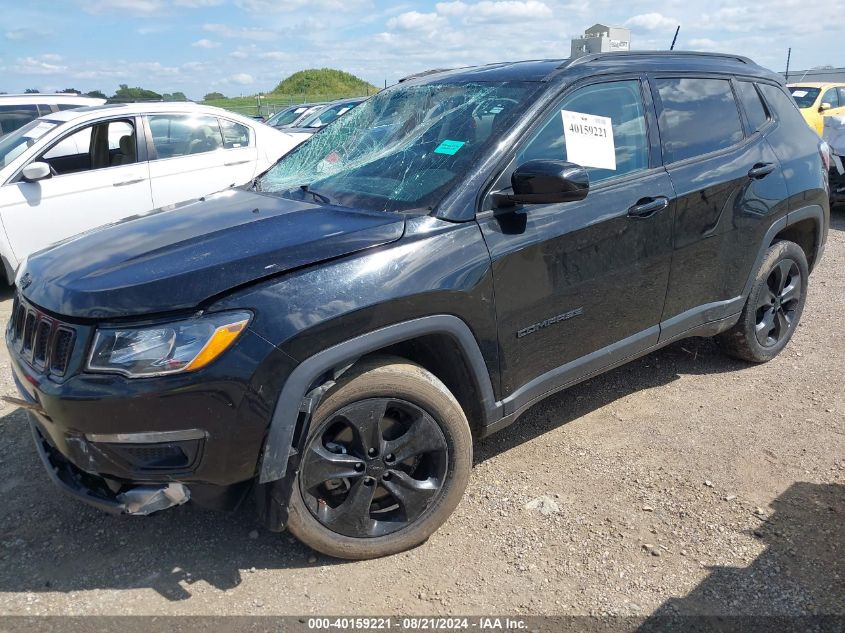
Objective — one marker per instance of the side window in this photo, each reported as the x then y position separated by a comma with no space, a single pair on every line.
830,96
108,144
14,116
184,134
754,108
698,116
841,92
622,151
234,134
780,103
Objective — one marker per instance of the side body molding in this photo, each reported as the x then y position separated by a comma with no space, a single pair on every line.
277,447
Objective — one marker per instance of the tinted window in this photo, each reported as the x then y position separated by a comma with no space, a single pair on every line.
13,117
698,116
841,96
779,103
108,144
830,97
754,108
621,102
184,134
234,134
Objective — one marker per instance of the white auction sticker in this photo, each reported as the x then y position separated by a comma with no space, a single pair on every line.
589,140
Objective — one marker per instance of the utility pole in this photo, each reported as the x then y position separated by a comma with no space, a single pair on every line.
675,39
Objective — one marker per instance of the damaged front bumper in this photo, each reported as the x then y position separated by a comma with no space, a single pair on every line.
107,495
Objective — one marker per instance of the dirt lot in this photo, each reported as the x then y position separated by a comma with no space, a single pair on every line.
684,481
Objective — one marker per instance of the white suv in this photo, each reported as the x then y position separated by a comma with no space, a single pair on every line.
18,110
75,170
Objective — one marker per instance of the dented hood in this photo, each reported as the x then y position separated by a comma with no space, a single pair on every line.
177,258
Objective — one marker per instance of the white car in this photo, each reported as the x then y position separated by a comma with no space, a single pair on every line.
75,170
18,110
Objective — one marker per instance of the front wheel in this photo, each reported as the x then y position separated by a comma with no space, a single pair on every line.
386,461
773,307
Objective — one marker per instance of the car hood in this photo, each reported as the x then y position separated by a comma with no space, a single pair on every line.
176,258
302,131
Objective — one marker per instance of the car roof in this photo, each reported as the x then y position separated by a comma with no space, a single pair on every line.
47,98
815,84
553,70
130,109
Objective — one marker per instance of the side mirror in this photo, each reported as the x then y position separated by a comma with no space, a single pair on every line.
824,106
36,171
545,182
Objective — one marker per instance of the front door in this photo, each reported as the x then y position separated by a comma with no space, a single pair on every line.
580,285
97,179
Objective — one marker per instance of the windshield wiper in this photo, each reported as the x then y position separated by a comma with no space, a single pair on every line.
319,197
255,185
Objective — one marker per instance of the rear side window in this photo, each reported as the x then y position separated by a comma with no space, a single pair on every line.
13,117
779,103
754,108
697,116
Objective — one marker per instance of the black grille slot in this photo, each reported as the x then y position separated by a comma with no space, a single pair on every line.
62,348
19,318
28,331
42,342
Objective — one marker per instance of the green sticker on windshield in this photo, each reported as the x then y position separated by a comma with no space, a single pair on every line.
449,147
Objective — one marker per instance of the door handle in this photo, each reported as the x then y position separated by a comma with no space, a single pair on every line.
123,183
761,170
236,162
647,207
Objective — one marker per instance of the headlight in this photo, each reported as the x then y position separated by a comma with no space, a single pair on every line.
168,348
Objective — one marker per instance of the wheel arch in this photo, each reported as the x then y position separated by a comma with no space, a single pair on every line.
420,340
805,228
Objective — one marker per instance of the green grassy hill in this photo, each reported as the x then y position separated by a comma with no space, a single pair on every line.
324,81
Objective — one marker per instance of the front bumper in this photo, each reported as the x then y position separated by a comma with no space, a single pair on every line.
108,496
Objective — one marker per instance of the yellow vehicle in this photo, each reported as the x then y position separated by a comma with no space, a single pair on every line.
818,100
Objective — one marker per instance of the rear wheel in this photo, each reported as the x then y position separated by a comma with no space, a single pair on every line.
773,308
386,461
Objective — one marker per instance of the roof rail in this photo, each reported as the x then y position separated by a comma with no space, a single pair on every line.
584,59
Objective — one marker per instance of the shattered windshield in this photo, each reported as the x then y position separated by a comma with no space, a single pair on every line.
400,150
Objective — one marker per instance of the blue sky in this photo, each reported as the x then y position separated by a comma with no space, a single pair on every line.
248,46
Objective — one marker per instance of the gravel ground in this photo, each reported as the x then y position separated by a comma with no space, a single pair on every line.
683,482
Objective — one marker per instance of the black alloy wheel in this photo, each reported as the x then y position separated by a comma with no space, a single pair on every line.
373,467
778,303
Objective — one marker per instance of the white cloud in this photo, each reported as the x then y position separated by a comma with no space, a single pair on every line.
241,32
243,79
276,56
42,65
204,43
652,21
488,10
416,21
276,6
704,44
133,7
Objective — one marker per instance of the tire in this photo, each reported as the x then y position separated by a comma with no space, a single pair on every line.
411,493
773,308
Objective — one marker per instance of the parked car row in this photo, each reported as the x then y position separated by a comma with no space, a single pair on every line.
331,337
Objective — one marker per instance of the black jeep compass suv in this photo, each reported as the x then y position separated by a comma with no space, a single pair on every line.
332,337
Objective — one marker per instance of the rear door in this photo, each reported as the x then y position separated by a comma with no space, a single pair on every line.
99,177
186,157
729,186
580,285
